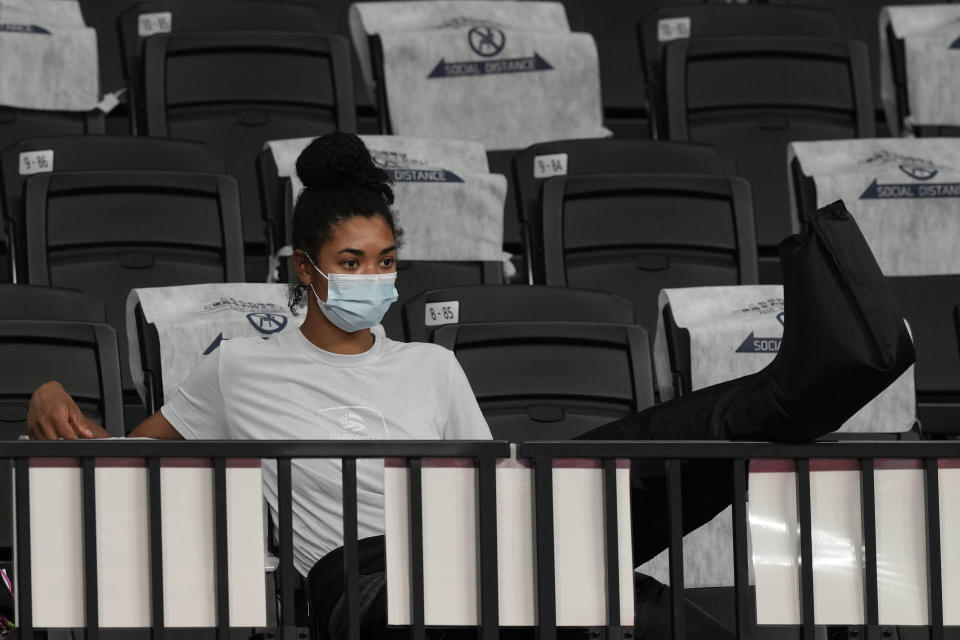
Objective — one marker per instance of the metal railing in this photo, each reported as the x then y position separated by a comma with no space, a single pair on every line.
486,454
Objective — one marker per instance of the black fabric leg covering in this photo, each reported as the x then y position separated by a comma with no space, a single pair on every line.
844,342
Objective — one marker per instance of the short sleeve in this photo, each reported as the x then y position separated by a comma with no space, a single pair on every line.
197,410
465,421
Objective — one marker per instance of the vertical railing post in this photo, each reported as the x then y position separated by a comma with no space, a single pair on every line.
806,548
417,613
155,506
675,513
546,569
611,526
288,578
741,584
868,502
24,584
90,580
221,563
351,569
934,568
487,562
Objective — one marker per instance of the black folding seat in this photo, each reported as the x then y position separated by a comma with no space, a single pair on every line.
84,153
107,232
234,91
633,235
927,303
750,96
422,314
47,333
20,124
416,276
860,20
667,24
536,164
552,380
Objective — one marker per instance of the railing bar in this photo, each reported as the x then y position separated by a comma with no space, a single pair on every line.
155,506
741,586
546,569
221,565
24,584
934,568
351,569
88,503
806,548
612,544
868,499
675,515
417,613
288,577
488,558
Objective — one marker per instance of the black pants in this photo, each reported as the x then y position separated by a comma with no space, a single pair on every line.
844,342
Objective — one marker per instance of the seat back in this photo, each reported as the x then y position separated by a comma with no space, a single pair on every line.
666,24
234,91
633,235
927,304
424,313
33,156
750,97
709,335
538,163
107,233
416,276
552,380
903,192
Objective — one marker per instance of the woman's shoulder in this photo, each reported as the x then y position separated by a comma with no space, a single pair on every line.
417,350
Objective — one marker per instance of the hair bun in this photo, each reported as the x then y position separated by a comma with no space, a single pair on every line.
338,158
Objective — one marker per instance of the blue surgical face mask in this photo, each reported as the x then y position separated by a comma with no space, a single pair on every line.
356,301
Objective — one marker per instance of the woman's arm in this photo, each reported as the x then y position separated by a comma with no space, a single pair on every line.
53,415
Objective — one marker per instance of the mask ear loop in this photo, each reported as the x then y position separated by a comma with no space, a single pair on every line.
315,294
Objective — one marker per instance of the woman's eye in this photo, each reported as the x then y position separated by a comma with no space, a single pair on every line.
350,263
387,262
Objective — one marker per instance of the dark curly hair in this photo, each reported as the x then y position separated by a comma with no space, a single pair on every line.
341,181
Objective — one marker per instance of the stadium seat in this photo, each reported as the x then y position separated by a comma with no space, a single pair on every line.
417,276
694,21
234,91
552,380
423,313
927,304
859,19
500,162
81,355
633,235
84,153
107,232
150,18
917,81
749,97
537,163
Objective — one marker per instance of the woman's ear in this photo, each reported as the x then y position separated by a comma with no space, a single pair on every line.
302,266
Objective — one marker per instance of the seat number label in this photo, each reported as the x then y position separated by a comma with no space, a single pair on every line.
32,162
673,29
550,165
438,313
153,23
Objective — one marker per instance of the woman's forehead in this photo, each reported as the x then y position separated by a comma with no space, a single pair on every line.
361,232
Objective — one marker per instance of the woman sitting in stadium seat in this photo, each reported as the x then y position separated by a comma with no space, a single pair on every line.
337,379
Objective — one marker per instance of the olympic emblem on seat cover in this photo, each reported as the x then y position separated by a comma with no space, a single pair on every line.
267,322
486,41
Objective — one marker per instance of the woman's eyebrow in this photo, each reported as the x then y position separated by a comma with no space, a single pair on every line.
389,249
356,252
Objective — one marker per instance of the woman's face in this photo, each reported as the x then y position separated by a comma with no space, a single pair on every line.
356,245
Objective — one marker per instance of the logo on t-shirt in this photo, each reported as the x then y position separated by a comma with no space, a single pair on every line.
354,423
267,322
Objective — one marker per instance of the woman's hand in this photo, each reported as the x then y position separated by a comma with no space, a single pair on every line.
53,414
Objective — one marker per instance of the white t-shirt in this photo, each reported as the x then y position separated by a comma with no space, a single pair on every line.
286,388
